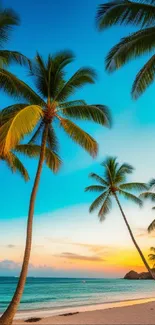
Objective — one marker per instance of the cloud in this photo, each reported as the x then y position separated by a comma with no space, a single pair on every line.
73,256
99,249
12,268
9,265
10,246
143,232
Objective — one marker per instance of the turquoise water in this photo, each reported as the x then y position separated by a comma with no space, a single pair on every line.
62,292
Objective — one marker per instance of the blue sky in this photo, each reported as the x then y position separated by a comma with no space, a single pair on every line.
47,27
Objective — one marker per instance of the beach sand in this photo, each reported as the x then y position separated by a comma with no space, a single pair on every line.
135,312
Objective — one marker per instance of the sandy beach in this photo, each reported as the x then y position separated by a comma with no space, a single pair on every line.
128,312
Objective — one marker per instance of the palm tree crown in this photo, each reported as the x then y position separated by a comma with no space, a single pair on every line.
112,183
29,150
138,13
50,104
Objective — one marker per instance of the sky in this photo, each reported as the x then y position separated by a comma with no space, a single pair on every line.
67,240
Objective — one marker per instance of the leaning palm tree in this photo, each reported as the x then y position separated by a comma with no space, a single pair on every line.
150,194
45,110
137,13
112,185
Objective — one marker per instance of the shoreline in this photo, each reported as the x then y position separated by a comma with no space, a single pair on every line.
49,312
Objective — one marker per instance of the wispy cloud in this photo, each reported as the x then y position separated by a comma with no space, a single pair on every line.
12,268
143,232
99,249
10,246
81,257
9,265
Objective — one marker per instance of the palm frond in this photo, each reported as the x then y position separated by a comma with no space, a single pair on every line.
97,113
49,75
122,172
18,89
95,188
151,227
152,183
72,103
152,249
17,127
99,200
80,78
148,195
8,19
8,57
16,165
37,134
60,60
38,70
125,12
80,137
134,186
151,257
55,63
110,164
130,47
126,168
131,197
105,208
52,139
99,179
9,112
52,160
144,78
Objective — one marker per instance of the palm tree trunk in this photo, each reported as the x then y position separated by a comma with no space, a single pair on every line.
134,241
8,315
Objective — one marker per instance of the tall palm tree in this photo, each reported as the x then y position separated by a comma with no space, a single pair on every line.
137,13
150,194
112,185
46,109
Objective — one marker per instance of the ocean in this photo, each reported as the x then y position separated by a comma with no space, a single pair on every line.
57,293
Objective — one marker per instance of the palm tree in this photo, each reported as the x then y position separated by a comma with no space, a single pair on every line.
112,185
45,109
150,194
9,19
139,14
